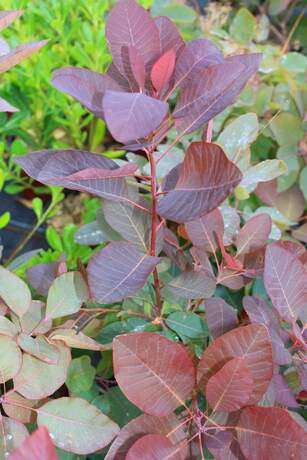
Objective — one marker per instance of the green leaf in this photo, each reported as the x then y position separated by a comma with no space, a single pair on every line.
115,404
287,129
5,219
7,327
303,181
295,62
10,358
80,375
14,292
76,425
39,347
37,380
37,206
66,295
54,239
181,14
75,339
187,325
263,172
108,332
2,179
243,26
239,134
277,6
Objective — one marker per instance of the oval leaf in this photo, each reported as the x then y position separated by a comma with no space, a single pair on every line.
10,358
14,292
76,426
154,373
152,447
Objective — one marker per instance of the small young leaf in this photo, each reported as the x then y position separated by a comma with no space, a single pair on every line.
162,379
162,70
81,428
5,219
37,205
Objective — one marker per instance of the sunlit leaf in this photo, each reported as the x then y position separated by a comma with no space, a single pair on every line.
7,17
75,339
76,426
18,54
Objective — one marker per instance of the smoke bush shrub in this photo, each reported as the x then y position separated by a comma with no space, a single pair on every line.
175,255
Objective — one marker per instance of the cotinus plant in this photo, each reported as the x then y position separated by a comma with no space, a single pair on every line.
174,257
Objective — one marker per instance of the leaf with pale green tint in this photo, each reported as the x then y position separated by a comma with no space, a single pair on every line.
76,426
80,375
39,347
10,358
75,340
303,181
238,135
14,292
243,26
115,404
37,380
295,62
33,320
5,219
277,6
262,172
287,128
54,239
19,408
15,431
180,14
187,325
290,157
7,327
66,295
37,206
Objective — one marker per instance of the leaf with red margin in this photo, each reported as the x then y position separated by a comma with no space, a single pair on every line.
152,447
52,167
285,280
131,116
154,373
111,282
131,25
254,234
231,387
163,69
85,86
253,344
205,180
38,446
18,54
196,56
202,232
8,16
168,426
216,88
220,316
134,67
270,433
168,34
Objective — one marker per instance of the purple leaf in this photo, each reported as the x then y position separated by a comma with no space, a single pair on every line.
86,86
111,282
131,116
101,173
283,393
215,89
18,54
202,232
206,178
7,17
6,106
196,56
134,67
168,35
254,234
52,167
220,316
285,280
131,25
41,276
192,285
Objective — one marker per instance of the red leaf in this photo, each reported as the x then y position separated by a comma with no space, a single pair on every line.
131,25
202,232
152,447
285,280
168,426
168,35
205,180
101,173
154,373
271,433
132,116
86,86
38,446
18,54
252,343
254,234
163,69
112,282
7,17
220,316
231,387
